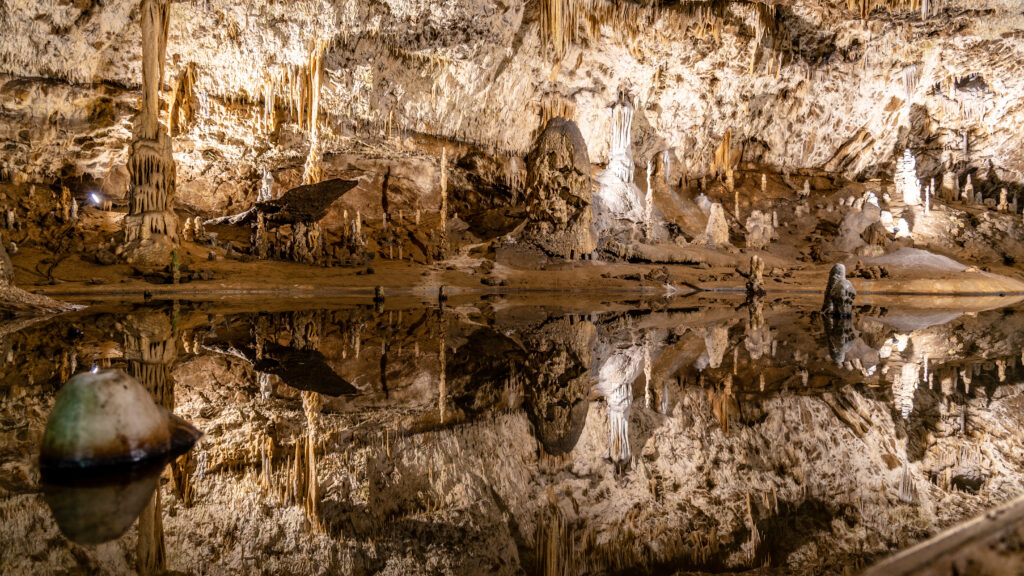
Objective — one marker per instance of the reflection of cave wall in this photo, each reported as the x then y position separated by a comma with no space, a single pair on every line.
821,465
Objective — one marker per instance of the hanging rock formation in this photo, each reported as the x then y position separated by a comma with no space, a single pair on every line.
620,208
558,192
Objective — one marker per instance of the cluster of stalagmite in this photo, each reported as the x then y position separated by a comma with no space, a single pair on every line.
151,227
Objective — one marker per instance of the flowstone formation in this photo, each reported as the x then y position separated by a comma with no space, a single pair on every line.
151,227
558,192
905,180
839,294
619,207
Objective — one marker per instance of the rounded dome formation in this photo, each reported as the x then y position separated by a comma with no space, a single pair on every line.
108,418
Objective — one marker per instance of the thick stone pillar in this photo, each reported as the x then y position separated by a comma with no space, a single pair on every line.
151,227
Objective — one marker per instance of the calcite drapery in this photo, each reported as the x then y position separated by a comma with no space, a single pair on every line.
151,227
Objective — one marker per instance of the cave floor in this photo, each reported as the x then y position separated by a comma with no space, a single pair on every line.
74,277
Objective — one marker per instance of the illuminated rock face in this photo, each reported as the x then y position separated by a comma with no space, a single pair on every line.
558,192
907,184
717,231
108,418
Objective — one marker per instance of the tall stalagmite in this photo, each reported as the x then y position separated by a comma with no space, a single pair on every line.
151,227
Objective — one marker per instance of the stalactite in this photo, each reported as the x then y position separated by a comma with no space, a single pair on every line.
620,158
310,104
911,79
182,110
649,203
724,156
865,7
907,492
443,240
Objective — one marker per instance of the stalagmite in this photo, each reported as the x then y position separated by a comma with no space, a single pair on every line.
760,230
839,294
562,207
905,179
764,184
1003,206
950,187
806,191
968,193
151,227
716,233
755,278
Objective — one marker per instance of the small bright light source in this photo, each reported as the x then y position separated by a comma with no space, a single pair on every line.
95,199
95,369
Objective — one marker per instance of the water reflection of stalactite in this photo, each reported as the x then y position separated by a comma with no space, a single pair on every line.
303,480
442,385
724,404
553,541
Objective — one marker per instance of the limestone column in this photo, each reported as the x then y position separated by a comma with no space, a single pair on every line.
151,227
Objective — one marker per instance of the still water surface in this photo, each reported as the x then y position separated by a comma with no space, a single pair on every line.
496,436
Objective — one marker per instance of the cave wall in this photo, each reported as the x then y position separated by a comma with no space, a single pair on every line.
479,73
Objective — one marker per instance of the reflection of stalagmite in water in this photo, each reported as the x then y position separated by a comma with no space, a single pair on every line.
150,346
556,396
840,335
903,387
716,341
442,385
724,404
151,556
758,335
